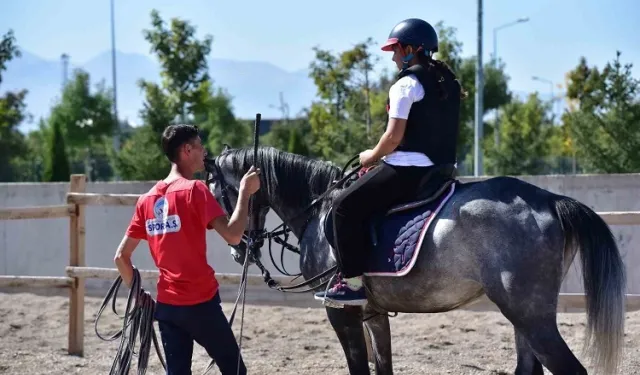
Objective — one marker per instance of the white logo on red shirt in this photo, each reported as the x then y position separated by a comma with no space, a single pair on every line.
163,222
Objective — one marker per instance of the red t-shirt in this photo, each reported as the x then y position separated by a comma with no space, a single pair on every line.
173,219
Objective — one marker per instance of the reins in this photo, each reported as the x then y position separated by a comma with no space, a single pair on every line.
138,318
138,321
274,235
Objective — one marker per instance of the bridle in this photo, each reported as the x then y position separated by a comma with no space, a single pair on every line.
253,239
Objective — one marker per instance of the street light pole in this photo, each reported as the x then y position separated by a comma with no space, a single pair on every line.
550,82
495,35
496,131
65,69
116,136
477,159
554,112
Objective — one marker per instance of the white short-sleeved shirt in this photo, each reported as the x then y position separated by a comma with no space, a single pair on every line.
406,91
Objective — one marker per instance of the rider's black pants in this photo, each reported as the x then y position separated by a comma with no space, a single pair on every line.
375,192
204,323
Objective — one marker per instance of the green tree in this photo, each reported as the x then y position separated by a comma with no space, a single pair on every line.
296,144
606,125
278,135
183,59
339,119
292,135
13,148
56,167
360,62
525,133
215,118
140,157
86,121
185,94
84,116
30,167
331,78
496,92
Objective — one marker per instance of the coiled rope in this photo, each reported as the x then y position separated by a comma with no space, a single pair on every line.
138,322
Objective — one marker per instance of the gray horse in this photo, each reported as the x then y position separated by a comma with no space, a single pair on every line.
501,237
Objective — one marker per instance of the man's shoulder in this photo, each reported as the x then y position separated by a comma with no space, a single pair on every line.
183,184
155,193
186,188
190,191
147,196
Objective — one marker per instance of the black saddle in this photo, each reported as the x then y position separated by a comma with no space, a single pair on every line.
435,182
430,188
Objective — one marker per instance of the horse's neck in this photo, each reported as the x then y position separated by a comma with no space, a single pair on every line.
296,215
293,216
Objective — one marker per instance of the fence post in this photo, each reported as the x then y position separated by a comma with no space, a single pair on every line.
78,184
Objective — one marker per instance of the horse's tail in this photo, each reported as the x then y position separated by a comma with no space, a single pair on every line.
604,280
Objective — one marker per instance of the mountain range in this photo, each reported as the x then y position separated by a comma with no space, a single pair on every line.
254,86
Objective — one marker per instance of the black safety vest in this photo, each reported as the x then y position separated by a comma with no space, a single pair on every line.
433,123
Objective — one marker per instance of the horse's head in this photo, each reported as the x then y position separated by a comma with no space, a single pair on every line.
223,179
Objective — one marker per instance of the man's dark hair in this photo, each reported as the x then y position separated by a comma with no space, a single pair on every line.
175,136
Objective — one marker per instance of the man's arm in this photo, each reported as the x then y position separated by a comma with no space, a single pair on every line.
134,233
213,216
122,258
232,229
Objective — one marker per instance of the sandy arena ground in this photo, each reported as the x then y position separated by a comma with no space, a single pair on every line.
284,340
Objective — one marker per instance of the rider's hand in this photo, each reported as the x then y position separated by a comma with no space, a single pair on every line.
367,158
250,182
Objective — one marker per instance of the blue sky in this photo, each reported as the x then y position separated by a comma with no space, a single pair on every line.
283,32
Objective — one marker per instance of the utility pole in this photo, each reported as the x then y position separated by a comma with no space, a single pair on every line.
477,160
495,35
283,108
65,69
496,131
552,97
116,125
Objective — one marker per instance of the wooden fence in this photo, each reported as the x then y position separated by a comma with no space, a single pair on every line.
77,271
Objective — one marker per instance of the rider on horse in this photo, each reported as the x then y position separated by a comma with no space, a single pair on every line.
422,133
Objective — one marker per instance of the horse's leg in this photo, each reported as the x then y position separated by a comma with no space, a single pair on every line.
380,334
529,300
347,323
527,363
547,344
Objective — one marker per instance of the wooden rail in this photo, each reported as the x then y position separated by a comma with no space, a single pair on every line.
94,199
77,271
35,281
112,274
45,212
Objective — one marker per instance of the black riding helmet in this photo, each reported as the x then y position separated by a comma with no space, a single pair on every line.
413,32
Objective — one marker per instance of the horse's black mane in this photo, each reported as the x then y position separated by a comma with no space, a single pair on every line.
295,179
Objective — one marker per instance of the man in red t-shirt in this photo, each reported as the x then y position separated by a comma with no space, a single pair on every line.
173,218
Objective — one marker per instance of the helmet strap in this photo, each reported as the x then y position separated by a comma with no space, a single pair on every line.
405,61
407,58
